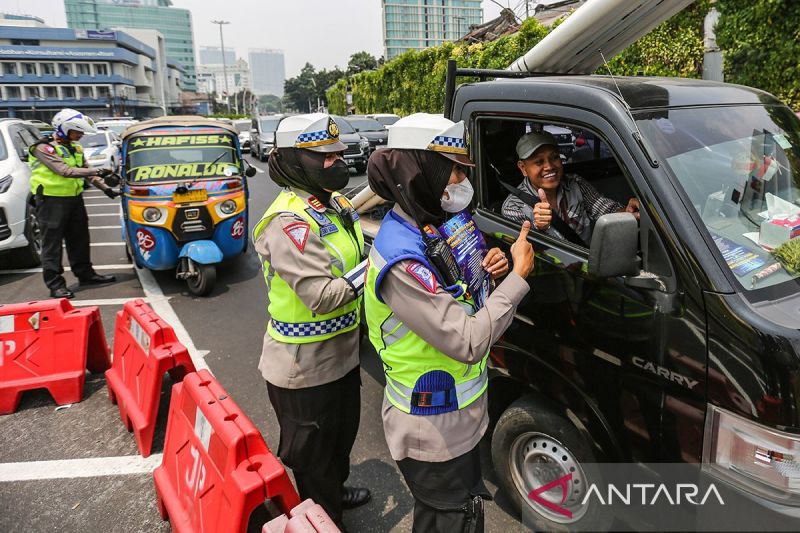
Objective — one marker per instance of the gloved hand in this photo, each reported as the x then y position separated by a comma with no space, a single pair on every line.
111,193
104,172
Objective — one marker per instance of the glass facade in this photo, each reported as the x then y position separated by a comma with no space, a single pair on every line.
418,24
175,24
269,71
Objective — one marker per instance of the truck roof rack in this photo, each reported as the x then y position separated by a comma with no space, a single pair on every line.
482,74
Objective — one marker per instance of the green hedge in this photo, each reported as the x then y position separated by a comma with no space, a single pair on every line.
759,37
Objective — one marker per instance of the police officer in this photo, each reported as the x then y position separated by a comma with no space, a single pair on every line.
433,341
58,175
311,246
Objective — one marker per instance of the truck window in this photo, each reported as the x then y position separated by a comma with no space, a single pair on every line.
592,183
740,168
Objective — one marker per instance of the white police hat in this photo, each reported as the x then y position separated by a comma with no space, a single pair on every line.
313,131
423,131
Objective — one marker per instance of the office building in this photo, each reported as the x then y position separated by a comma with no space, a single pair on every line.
211,78
102,73
212,55
420,24
173,23
268,69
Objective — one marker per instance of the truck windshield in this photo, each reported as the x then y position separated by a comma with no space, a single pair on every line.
155,158
740,167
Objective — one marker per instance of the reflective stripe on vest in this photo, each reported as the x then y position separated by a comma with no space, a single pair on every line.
315,329
291,321
52,183
397,393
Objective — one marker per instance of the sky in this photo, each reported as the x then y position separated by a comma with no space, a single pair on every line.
322,32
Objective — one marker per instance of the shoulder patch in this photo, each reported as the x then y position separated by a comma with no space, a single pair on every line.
321,218
422,274
298,233
315,204
343,202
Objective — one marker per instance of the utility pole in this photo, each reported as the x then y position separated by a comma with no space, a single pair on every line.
224,66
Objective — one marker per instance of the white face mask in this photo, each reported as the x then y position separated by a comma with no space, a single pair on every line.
457,196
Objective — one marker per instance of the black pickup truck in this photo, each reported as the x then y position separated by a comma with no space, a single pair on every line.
674,339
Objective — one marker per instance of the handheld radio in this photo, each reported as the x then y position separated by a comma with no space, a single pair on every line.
437,250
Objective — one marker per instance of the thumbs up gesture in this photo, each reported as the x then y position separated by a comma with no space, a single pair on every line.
542,213
522,252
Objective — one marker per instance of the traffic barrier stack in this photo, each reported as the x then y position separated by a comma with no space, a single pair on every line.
216,467
145,347
49,344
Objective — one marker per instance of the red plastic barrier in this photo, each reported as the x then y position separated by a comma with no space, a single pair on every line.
145,347
49,344
216,467
308,517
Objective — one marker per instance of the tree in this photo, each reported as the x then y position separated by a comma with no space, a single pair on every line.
298,92
269,103
361,61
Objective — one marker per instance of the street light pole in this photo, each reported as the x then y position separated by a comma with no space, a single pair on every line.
224,66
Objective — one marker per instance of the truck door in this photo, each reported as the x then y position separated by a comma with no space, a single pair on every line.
633,355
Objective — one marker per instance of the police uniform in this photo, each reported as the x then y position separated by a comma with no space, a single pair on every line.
434,344
314,270
58,171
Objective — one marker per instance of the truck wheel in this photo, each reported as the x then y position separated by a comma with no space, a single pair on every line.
533,446
31,254
203,283
361,168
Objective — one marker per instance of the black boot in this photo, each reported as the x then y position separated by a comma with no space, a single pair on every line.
61,292
354,497
97,279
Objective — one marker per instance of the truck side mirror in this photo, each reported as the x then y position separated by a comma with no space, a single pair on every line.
253,131
615,242
250,172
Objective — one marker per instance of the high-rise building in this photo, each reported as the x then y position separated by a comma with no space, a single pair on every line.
268,69
212,55
212,78
173,23
419,24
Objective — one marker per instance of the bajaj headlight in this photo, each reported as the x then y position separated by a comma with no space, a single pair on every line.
151,214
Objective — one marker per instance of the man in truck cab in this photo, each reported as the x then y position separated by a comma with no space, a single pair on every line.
562,205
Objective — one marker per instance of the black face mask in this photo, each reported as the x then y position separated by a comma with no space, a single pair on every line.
333,178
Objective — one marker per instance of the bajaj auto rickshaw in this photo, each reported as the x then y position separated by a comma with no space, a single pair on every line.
185,197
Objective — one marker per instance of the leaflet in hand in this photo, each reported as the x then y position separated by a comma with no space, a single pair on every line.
469,248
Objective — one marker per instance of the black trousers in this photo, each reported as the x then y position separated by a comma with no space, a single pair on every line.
63,220
318,429
448,496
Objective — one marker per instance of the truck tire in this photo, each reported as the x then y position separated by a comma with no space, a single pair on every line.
361,168
532,446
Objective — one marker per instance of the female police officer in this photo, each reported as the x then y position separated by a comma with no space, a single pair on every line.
433,342
311,246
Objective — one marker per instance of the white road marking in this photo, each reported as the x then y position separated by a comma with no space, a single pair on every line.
103,214
76,468
104,227
106,301
160,305
101,244
121,266
103,205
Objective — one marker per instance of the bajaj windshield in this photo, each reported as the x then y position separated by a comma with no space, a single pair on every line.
158,158
740,168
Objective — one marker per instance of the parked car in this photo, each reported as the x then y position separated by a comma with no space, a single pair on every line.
243,127
44,128
20,239
671,339
387,119
357,151
370,129
262,135
116,125
102,149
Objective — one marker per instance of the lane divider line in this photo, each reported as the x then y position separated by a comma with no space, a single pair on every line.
160,304
121,266
107,301
105,227
103,214
77,468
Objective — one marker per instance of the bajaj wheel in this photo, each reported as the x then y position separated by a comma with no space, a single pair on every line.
203,283
533,446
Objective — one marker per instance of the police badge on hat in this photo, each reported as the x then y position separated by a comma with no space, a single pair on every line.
333,128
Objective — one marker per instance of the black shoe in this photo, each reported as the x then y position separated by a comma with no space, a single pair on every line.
354,497
61,292
97,279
